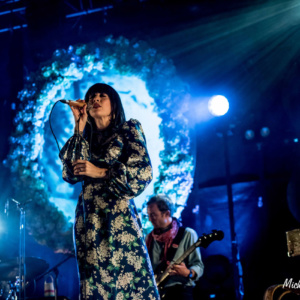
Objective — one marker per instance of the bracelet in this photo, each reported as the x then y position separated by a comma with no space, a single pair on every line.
191,274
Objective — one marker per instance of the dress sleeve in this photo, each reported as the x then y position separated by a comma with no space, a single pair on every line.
75,148
128,180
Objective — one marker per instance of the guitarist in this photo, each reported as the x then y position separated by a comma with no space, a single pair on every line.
167,242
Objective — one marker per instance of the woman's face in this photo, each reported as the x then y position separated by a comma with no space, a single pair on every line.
99,106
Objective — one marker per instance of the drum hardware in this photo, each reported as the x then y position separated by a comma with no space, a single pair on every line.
14,290
21,260
9,271
55,270
34,267
18,272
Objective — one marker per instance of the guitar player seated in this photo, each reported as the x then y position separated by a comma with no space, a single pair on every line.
168,242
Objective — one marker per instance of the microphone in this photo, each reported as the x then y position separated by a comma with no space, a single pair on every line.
73,103
19,204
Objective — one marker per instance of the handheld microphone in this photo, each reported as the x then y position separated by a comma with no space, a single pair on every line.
73,103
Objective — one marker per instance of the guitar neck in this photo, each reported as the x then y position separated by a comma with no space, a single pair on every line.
177,262
186,253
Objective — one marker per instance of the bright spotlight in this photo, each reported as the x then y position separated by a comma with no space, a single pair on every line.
218,105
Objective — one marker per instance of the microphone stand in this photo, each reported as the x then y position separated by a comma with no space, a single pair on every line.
22,263
237,267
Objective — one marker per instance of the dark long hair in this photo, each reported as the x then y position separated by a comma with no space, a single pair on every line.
117,110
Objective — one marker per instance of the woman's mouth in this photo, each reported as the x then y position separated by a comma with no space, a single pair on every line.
96,105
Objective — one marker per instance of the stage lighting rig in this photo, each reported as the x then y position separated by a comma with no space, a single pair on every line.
12,13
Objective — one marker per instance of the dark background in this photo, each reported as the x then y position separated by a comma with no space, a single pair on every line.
246,50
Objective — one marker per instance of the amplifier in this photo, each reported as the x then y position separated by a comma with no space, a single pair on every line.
293,242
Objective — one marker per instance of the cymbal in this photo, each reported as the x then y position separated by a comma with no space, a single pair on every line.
9,269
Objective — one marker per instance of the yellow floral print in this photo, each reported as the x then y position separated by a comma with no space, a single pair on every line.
111,253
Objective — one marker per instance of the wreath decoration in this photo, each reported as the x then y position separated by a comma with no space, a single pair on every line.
45,222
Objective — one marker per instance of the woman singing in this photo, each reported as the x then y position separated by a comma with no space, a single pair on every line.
110,158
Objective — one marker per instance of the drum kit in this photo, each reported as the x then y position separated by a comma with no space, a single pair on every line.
17,273
10,285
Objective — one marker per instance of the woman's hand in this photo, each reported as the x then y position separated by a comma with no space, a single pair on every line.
84,167
80,114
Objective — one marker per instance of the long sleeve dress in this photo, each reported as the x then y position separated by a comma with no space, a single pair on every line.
112,257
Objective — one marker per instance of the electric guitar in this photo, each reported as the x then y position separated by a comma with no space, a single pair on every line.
204,241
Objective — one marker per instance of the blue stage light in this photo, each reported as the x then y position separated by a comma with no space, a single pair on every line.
265,131
218,105
249,134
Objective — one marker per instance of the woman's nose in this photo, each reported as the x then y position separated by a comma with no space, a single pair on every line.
95,99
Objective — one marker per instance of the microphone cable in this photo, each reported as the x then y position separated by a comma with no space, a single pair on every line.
52,131
51,125
82,197
62,101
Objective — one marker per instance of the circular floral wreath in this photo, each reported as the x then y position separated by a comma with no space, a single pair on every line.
45,222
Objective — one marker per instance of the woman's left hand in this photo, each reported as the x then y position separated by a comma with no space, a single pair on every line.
84,167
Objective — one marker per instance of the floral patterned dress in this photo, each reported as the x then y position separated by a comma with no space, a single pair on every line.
112,257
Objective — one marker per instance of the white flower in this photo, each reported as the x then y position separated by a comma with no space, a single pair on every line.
125,238
92,257
124,280
117,224
120,296
134,260
100,202
103,251
102,292
117,257
120,206
105,276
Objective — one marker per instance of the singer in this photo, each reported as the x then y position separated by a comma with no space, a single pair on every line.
109,156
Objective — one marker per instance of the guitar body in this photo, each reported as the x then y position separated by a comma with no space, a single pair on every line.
159,270
163,280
